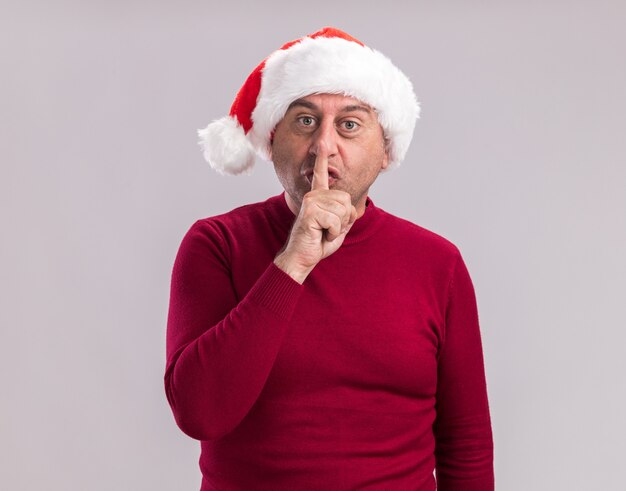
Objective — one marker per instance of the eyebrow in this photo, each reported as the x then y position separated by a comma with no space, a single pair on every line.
313,107
302,103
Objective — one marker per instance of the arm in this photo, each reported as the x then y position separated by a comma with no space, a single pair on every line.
464,445
220,350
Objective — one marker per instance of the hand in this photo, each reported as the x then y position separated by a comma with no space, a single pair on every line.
325,218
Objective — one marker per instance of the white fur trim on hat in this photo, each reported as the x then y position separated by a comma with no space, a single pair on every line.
335,65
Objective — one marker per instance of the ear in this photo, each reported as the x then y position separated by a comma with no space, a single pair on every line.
385,163
270,145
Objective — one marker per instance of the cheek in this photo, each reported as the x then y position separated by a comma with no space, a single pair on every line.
366,154
288,153
284,161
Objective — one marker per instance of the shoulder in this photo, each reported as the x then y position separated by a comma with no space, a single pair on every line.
218,232
239,219
412,236
423,256
236,215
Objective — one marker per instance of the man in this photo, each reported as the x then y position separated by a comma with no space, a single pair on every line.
314,340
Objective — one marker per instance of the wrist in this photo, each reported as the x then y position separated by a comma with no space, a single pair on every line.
292,268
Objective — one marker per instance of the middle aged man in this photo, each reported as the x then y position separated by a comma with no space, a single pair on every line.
314,340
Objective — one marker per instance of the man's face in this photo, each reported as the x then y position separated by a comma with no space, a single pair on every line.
345,128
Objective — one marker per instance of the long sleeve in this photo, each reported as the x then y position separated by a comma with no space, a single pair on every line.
220,349
463,435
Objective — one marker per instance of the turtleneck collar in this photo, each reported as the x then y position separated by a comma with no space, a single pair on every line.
363,227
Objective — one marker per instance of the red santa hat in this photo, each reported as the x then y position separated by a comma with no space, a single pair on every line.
329,61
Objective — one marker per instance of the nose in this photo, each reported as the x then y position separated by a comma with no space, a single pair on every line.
325,139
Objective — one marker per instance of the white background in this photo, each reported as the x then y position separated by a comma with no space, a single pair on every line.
518,158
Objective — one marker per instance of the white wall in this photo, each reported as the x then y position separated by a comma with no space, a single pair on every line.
518,158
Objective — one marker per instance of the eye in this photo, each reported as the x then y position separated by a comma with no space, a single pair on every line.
350,125
307,120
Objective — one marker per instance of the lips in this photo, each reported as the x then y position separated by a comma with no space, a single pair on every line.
331,179
333,175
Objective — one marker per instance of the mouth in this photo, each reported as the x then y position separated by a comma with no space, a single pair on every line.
331,179
333,176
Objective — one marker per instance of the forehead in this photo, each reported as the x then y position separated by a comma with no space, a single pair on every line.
332,103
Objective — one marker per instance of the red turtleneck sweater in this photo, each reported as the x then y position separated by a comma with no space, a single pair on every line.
368,376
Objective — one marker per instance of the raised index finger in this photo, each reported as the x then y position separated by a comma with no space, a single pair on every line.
320,172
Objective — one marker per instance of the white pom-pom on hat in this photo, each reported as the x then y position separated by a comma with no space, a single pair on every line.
226,147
